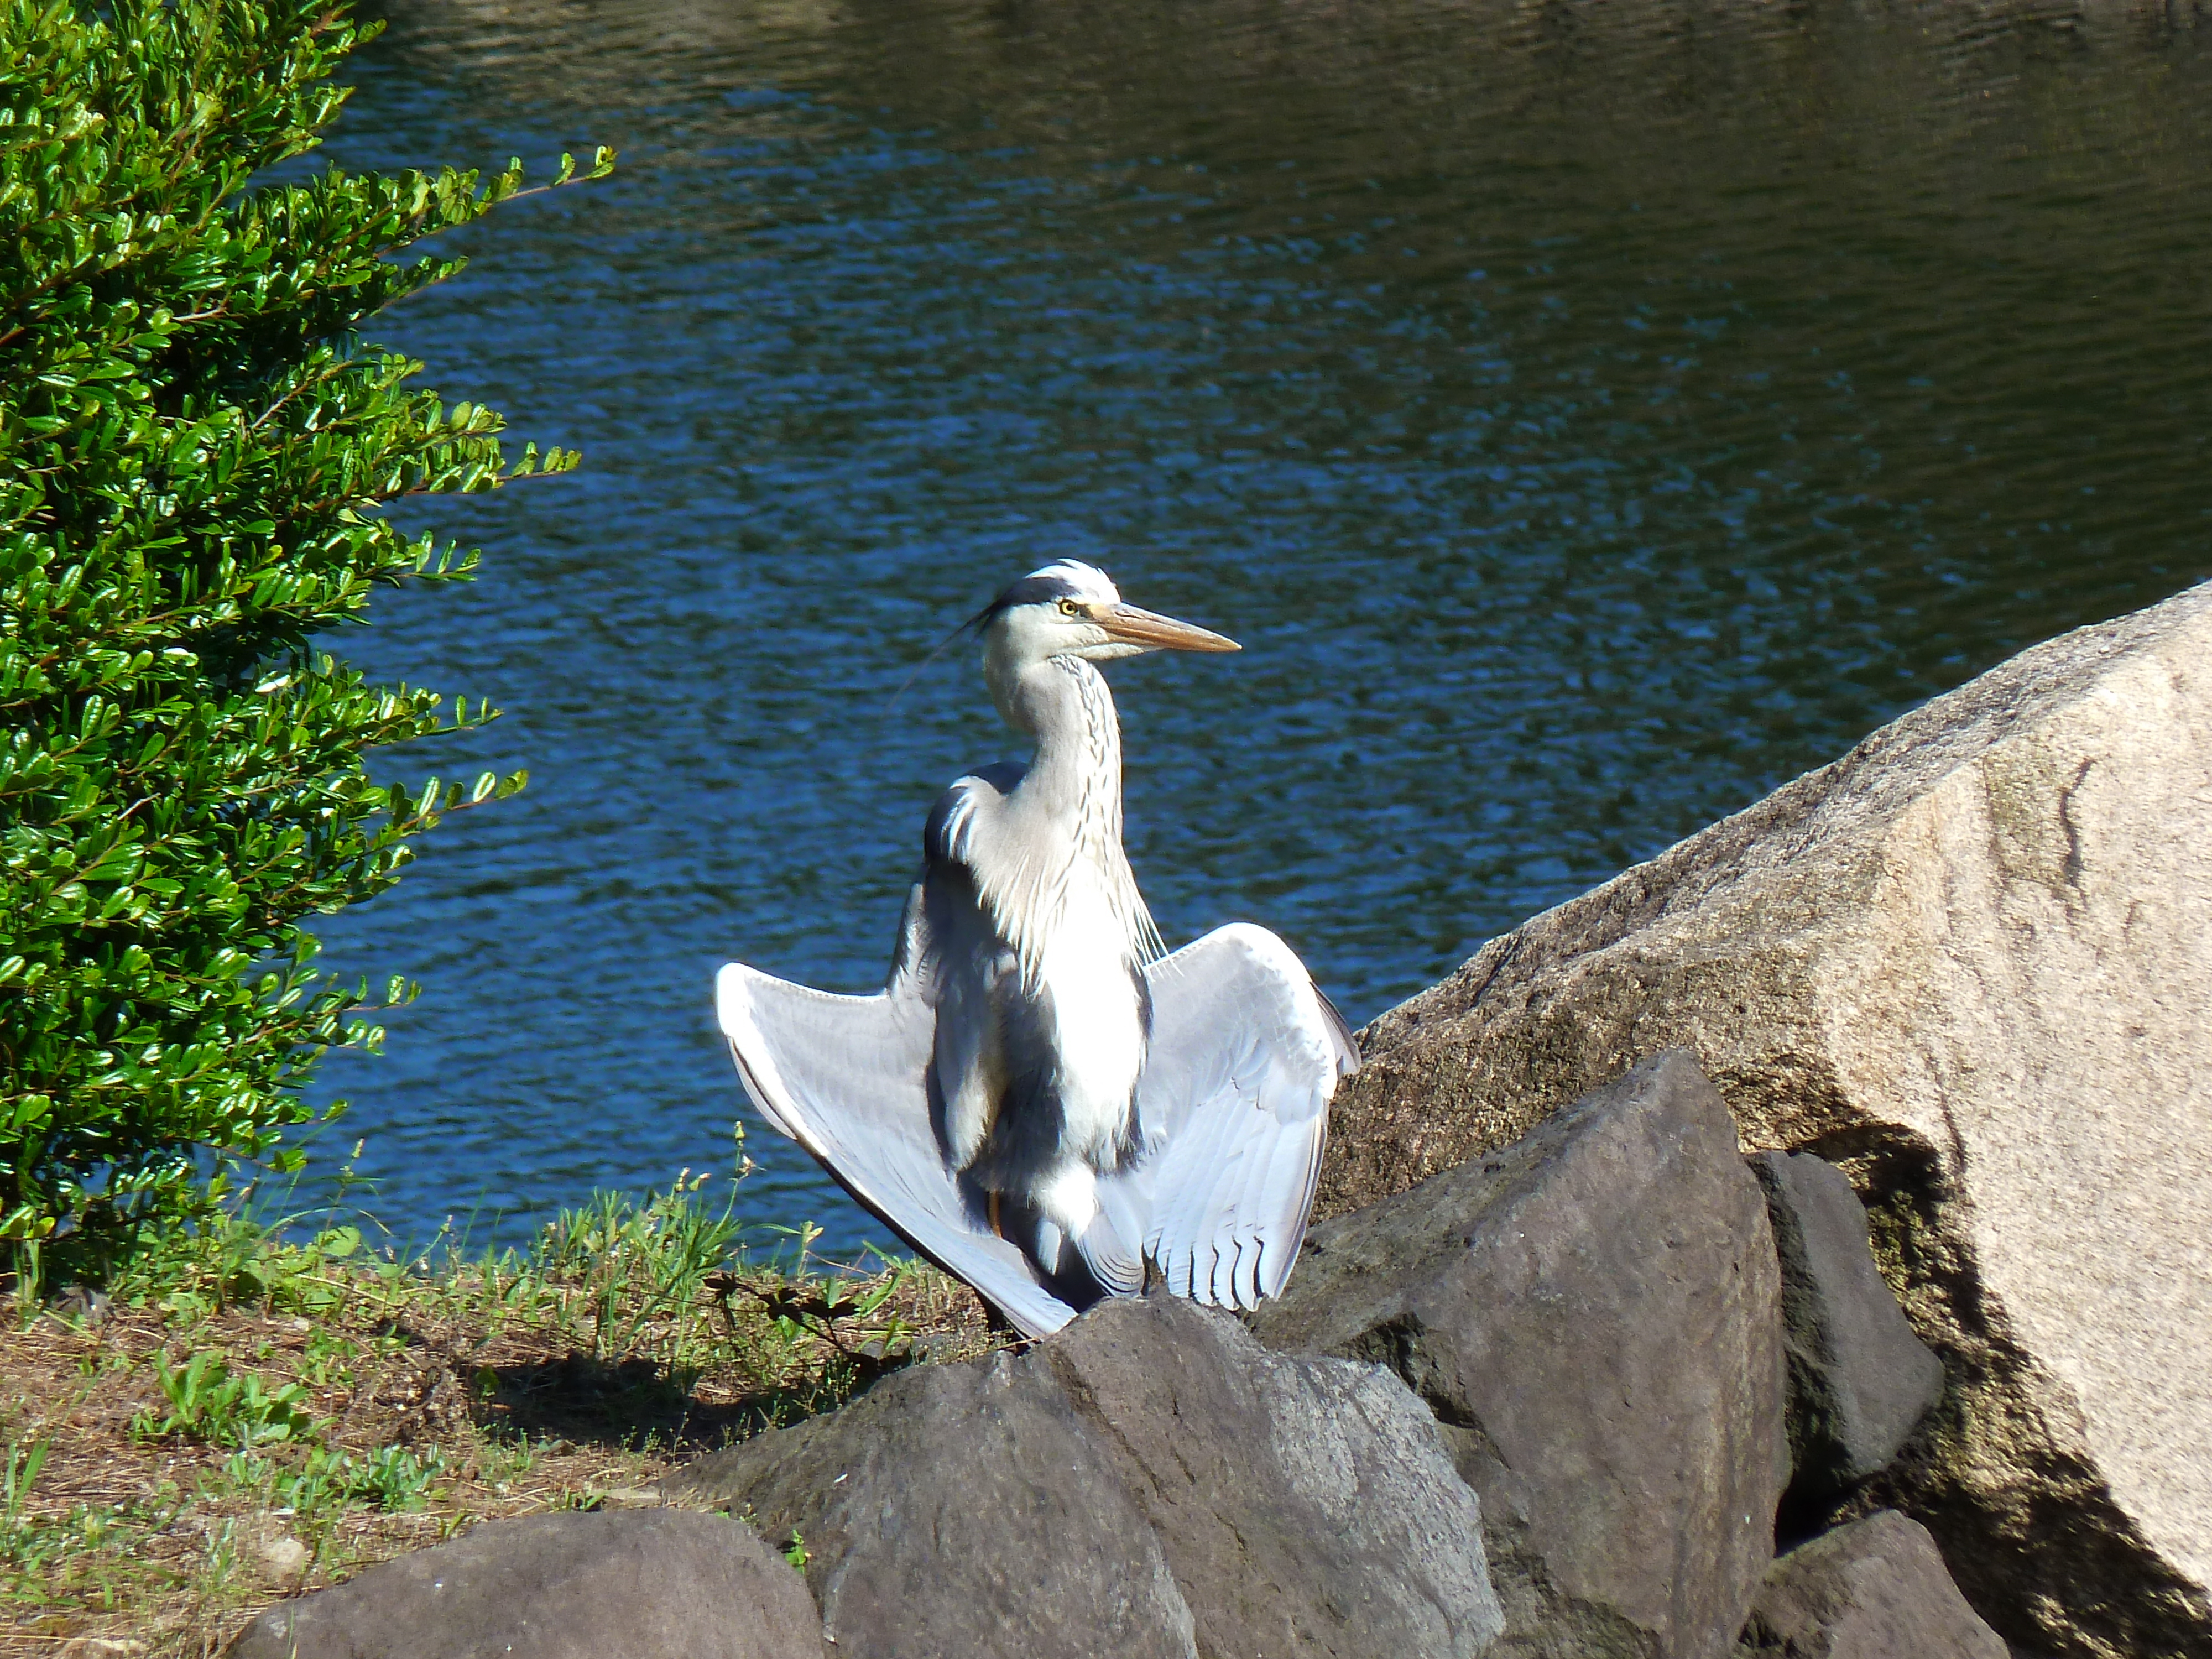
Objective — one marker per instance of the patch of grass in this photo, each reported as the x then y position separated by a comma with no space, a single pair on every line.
248,1415
209,1404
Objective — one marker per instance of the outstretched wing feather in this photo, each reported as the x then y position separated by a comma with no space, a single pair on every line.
846,1077
1245,1054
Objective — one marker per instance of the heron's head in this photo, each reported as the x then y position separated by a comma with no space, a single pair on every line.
1069,609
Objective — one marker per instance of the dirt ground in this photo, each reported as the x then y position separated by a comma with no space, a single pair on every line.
151,1511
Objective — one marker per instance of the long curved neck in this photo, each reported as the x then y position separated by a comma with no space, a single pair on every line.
1064,703
1070,803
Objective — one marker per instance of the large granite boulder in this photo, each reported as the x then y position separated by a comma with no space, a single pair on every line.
1860,1381
1971,963
652,1584
1149,1481
1875,1589
1593,1315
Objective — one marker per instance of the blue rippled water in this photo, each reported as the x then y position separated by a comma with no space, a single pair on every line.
1587,418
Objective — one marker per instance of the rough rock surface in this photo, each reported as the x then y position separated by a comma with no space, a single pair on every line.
1875,1589
1148,1482
1972,963
656,1584
1594,1311
1860,1382
959,1509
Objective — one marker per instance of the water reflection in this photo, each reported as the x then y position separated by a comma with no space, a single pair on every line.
1588,416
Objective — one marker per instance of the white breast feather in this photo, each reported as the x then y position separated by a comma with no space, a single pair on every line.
1098,1025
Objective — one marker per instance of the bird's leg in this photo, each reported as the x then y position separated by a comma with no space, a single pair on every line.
991,1206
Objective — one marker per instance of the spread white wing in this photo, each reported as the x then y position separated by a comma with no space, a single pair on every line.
846,1079
1233,1103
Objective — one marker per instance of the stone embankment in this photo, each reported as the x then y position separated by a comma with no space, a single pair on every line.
1793,1247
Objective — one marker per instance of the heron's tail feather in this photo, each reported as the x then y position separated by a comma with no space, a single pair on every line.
1118,1269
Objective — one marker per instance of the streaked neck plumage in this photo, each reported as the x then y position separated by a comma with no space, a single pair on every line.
1068,808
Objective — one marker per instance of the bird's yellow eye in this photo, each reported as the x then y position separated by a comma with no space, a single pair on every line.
1070,608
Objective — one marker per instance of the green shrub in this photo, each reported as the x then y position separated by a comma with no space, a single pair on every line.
194,441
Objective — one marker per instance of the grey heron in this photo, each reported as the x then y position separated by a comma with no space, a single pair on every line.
1042,1098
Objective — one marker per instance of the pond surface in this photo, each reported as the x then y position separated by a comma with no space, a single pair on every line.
1588,416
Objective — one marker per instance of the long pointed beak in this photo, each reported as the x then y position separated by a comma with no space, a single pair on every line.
1157,633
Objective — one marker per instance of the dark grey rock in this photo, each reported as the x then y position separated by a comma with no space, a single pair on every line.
1875,1589
1305,1506
959,1509
1860,1381
1150,1481
1592,1313
652,1584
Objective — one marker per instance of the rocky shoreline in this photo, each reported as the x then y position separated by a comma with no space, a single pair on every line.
1970,964
1792,1246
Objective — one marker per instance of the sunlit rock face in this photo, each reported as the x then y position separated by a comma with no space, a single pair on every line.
1972,963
